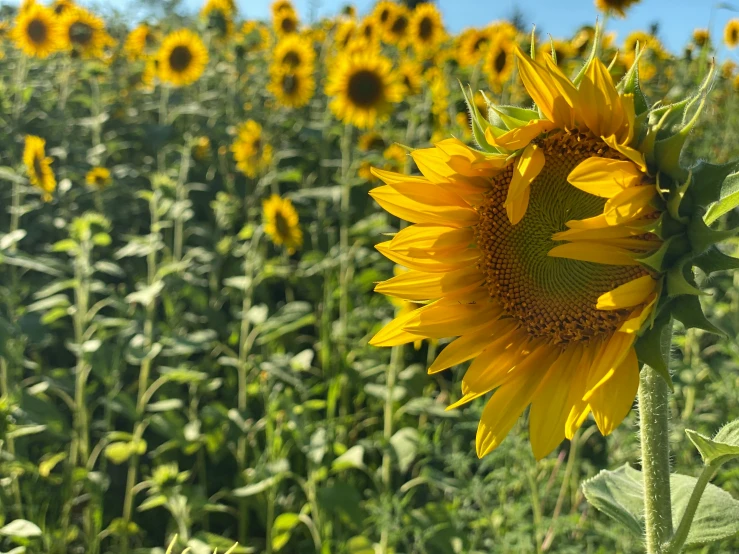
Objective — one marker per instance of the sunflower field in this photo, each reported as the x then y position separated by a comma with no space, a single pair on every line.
235,255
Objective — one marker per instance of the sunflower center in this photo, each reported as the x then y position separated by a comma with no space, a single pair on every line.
37,31
365,88
289,84
38,167
399,25
384,15
180,58
282,225
288,25
80,33
553,298
426,28
500,61
291,58
479,43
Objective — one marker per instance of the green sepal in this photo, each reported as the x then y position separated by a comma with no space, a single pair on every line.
708,181
701,236
512,117
687,310
656,260
714,260
721,448
728,199
479,123
630,85
653,346
676,197
680,280
593,53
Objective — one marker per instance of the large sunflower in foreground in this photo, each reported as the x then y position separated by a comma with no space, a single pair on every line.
281,223
182,58
36,31
550,251
363,88
38,165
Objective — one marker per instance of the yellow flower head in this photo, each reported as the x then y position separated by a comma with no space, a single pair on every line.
182,58
499,61
731,33
472,45
254,37
426,29
615,7
529,252
293,89
371,141
369,30
60,7
219,15
98,177
36,31
294,53
397,30
201,150
280,6
38,165
363,88
285,23
701,37
83,33
395,155
140,42
383,13
251,153
410,73
281,223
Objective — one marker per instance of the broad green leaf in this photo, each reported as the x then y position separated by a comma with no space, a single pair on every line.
618,494
255,488
281,529
722,448
360,545
351,459
21,528
405,445
728,201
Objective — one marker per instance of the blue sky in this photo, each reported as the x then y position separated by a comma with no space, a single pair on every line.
677,18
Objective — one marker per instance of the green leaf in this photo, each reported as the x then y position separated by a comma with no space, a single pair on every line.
119,452
715,260
687,309
405,445
708,180
282,528
351,459
21,528
255,488
728,200
360,545
722,448
620,495
46,466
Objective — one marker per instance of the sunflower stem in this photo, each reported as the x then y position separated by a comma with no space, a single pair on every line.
655,447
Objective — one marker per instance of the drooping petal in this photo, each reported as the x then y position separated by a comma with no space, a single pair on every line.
629,204
605,233
627,295
529,165
607,361
439,321
418,285
500,360
595,252
520,137
430,264
469,346
631,153
604,177
425,203
579,408
611,402
392,334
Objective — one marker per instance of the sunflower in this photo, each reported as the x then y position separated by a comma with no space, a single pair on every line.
395,155
293,89
281,223
499,61
139,42
201,149
409,73
426,29
369,30
285,23
83,33
60,7
731,33
472,45
218,15
182,58
280,6
36,31
383,13
254,36
701,37
364,88
530,252
251,153
98,177
398,27
294,53
38,165
370,141
344,33
616,7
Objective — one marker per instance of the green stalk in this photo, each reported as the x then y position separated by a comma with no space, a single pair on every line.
396,358
9,441
181,196
344,236
655,447
681,535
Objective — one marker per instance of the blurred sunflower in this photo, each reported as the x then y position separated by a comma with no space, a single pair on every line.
344,33
38,165
615,7
139,42
98,177
396,156
254,36
218,16
701,37
731,33
251,153
294,53
370,141
383,13
369,30
60,7
397,31
727,69
529,254
409,73
293,89
472,46
280,6
182,58
363,88
426,29
281,223
499,61
36,31
285,23
83,33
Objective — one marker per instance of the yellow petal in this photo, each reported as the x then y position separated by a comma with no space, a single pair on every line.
580,409
393,178
499,361
595,252
612,402
616,232
426,203
430,264
432,163
530,164
611,354
600,104
518,138
627,295
510,400
468,397
417,285
438,321
392,334
631,153
468,346
550,407
637,317
604,177
629,204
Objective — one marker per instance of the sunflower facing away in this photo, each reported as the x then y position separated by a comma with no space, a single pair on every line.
250,152
182,58
281,223
36,31
544,252
83,33
98,177
38,165
363,88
